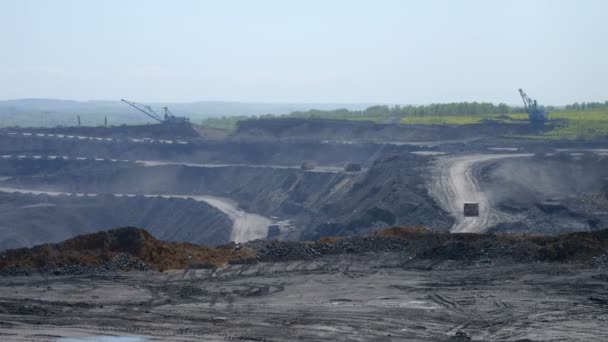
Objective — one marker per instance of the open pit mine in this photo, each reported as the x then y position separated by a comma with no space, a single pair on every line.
301,229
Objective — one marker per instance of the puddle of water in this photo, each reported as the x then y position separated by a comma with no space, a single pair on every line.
104,339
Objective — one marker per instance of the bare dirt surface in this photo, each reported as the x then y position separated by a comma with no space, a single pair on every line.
455,183
399,284
341,298
246,226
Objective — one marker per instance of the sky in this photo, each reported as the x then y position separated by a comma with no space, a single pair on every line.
305,51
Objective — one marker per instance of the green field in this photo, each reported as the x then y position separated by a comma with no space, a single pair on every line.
444,119
572,125
585,125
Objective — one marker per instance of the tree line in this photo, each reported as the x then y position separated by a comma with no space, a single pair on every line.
583,106
441,109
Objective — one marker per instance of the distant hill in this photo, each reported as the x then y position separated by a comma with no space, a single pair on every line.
53,112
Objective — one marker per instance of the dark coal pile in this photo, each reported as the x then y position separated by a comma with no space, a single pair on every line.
120,262
391,193
285,250
420,244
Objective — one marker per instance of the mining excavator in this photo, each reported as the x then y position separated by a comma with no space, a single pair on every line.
168,117
536,115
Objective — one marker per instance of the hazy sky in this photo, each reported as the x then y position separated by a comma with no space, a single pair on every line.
371,51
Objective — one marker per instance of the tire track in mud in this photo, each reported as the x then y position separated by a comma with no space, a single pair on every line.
455,183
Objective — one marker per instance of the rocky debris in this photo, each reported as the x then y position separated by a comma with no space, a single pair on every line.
419,243
288,250
460,336
15,270
132,249
122,249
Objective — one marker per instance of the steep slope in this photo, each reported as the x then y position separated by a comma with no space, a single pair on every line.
29,220
392,192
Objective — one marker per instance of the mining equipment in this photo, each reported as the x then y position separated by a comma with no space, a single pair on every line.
308,165
471,209
167,118
352,167
536,115
274,230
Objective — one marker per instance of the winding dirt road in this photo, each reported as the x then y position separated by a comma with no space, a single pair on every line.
245,226
455,184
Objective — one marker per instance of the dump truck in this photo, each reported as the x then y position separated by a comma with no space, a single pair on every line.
308,165
352,167
471,209
274,230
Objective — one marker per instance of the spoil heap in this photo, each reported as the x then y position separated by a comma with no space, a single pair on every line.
135,249
117,249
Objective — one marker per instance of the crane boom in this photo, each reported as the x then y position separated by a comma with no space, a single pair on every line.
527,100
536,115
144,109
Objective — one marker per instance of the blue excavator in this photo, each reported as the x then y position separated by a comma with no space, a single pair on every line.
537,115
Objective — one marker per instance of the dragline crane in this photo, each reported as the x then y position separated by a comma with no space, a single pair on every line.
537,115
168,117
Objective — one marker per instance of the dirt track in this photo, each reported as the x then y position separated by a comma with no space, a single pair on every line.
455,183
342,298
246,226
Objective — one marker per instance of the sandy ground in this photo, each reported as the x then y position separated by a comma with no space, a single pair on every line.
354,298
455,184
246,226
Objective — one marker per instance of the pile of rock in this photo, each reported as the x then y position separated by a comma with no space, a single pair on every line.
126,262
120,262
10,271
289,250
